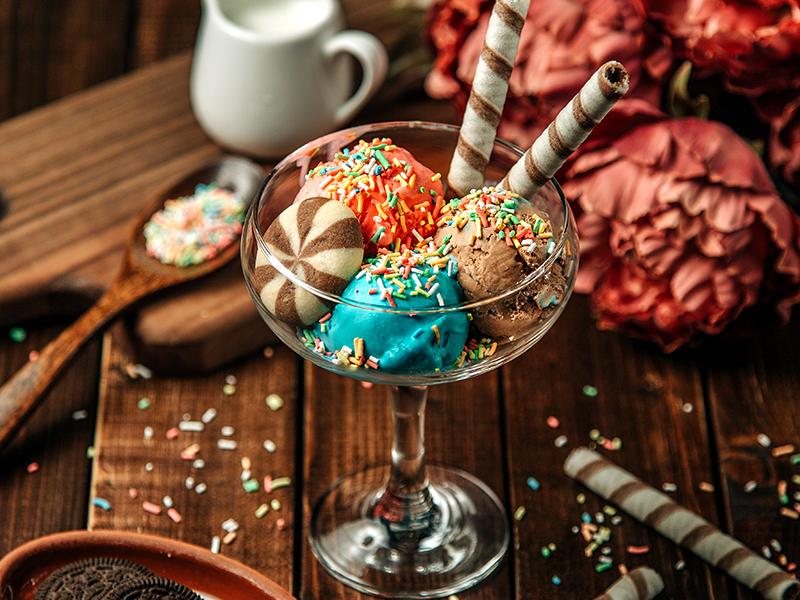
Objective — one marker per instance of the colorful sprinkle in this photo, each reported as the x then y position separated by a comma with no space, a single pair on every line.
18,334
193,229
225,444
101,503
274,401
251,485
151,508
174,515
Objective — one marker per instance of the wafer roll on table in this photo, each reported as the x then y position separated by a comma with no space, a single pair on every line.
682,526
568,131
642,583
487,97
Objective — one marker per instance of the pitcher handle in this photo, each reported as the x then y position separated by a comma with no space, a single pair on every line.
369,51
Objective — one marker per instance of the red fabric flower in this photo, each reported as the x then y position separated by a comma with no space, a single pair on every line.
784,143
562,43
682,231
753,43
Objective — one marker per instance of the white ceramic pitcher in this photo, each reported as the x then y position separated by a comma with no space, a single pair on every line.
269,75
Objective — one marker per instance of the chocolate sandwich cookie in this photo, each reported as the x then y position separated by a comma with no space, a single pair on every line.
154,588
90,579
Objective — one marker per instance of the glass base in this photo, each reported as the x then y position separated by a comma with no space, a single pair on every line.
437,542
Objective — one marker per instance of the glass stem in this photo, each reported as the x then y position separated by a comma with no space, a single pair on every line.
406,506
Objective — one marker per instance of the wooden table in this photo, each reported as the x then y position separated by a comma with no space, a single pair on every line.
694,420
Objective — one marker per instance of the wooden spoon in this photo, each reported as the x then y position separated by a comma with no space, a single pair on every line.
139,276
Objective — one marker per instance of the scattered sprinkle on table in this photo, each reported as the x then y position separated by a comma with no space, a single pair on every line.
561,441
590,391
33,467
764,440
101,503
274,401
193,229
533,483
18,334
226,444
174,515
153,509
195,426
143,404
602,566
230,525
280,482
782,450
80,415
552,422
519,513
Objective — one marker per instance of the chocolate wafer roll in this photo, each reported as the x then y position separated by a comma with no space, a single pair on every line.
680,525
640,584
568,131
487,97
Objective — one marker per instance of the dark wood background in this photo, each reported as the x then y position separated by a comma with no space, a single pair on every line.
51,48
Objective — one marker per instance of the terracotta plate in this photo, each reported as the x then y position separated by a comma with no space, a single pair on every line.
211,575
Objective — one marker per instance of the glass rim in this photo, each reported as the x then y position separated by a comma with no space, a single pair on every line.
351,133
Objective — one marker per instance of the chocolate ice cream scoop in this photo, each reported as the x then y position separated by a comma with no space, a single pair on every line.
498,239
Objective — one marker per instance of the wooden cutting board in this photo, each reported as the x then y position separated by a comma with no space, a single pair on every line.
73,175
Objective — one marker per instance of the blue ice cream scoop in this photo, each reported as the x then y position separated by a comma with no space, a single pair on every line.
392,341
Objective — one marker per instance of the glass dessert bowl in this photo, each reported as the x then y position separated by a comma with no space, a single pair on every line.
442,290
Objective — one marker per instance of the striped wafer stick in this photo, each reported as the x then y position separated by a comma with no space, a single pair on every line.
568,131
680,525
487,97
640,584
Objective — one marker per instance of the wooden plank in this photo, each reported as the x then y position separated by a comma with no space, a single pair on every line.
641,398
53,498
163,28
49,49
347,429
753,388
126,459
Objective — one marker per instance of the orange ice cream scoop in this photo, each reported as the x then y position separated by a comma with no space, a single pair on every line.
395,197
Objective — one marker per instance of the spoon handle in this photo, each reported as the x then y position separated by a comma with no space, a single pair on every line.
20,394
